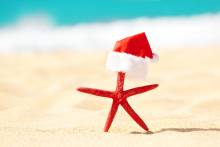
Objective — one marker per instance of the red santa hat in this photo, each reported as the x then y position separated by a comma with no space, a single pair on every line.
130,56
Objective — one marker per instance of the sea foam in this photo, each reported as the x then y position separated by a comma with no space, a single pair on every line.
40,35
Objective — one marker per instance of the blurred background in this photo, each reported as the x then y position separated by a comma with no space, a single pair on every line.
48,48
48,25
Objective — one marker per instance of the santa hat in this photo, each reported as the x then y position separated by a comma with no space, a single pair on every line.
130,56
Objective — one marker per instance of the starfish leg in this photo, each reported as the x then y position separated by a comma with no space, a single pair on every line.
97,92
139,90
134,115
111,116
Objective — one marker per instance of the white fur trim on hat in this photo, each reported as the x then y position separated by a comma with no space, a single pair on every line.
155,58
134,67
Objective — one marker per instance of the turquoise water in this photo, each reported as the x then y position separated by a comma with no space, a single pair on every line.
66,12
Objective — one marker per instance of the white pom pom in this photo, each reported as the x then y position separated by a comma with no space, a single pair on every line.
155,58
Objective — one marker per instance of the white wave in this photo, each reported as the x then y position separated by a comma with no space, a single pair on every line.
37,34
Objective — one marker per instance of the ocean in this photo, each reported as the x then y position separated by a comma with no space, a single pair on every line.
68,12
46,25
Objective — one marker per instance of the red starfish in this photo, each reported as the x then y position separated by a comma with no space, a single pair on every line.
120,96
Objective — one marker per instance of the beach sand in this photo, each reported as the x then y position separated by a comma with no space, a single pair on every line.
39,104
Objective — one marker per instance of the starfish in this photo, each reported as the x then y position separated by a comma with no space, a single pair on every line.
119,97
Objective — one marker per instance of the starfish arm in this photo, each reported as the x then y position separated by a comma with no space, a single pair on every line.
97,92
120,82
139,90
134,115
111,116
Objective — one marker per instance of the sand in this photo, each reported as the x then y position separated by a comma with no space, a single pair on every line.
39,105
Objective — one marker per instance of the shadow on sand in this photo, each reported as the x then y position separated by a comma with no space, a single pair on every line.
177,130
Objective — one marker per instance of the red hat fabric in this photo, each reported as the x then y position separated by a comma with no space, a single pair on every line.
136,45
129,56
